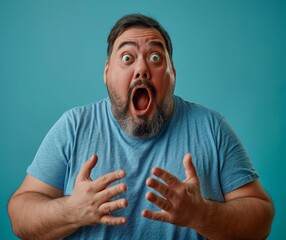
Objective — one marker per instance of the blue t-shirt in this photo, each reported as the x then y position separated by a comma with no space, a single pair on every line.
220,159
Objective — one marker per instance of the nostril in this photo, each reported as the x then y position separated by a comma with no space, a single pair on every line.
144,75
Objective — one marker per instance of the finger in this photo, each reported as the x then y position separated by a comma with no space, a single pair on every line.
84,173
109,193
111,220
109,207
191,173
162,203
102,182
157,216
161,188
167,177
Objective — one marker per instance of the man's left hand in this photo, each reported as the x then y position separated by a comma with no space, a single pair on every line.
181,203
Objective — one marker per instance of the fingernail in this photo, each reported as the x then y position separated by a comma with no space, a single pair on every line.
123,221
121,173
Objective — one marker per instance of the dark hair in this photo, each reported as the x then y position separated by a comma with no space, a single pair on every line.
137,20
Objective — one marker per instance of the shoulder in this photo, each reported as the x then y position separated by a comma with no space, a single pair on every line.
83,116
197,112
88,108
87,111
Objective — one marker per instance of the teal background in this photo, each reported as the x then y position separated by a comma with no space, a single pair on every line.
229,56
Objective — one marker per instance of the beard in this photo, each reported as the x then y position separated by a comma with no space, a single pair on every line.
142,127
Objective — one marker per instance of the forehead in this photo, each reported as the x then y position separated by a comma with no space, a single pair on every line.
139,36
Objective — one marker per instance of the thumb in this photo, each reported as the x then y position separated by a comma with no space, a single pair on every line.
84,173
190,170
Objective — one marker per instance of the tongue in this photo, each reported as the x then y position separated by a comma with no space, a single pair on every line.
141,99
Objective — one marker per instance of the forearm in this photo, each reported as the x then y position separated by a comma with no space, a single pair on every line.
36,216
243,218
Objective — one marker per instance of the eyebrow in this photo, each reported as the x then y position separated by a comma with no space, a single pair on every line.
151,43
157,44
121,45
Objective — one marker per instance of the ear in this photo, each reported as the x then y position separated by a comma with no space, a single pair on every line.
105,71
174,70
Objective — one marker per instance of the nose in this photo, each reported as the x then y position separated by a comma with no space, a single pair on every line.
142,70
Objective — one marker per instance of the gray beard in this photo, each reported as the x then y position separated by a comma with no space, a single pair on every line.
143,127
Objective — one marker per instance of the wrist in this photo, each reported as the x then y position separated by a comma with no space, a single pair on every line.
69,212
205,216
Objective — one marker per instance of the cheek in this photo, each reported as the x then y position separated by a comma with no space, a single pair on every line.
162,85
119,82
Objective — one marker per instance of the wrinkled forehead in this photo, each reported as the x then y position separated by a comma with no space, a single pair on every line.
140,36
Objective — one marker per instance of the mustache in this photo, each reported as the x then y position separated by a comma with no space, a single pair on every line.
143,83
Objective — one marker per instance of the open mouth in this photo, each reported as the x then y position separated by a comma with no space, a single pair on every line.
141,99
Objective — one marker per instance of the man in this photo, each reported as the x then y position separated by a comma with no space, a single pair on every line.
142,129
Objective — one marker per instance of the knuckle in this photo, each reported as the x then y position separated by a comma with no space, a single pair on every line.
104,180
165,205
120,204
166,191
106,220
159,218
171,180
109,194
106,209
88,188
120,188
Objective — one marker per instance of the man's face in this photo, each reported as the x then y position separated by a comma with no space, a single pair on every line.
140,79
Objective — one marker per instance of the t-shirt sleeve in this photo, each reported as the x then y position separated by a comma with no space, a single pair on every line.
51,160
236,168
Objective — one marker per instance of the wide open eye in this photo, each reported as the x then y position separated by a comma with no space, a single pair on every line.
154,57
127,58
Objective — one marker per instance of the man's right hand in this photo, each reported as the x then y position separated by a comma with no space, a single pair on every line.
91,202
